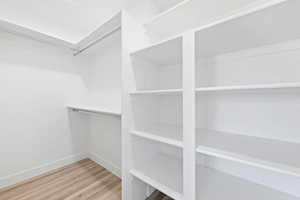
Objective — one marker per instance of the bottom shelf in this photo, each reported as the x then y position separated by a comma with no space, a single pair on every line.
215,185
164,173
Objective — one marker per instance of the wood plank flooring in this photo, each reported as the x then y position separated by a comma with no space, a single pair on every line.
84,180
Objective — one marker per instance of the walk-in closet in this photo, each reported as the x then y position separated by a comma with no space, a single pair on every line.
150,100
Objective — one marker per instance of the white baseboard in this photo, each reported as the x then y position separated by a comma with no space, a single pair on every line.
27,174
106,164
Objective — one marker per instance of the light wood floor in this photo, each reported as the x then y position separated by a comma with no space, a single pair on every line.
79,181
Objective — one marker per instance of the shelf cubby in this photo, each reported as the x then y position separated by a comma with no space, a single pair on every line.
256,54
158,67
257,129
262,68
228,186
158,165
249,29
269,154
158,117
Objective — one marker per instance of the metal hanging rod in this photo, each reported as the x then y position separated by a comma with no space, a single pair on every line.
98,40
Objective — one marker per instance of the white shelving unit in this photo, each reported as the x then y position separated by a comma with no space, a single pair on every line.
154,138
223,100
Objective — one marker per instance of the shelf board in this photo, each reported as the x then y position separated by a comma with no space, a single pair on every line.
210,180
193,19
97,110
159,137
270,154
249,87
34,34
162,172
157,92
167,52
243,28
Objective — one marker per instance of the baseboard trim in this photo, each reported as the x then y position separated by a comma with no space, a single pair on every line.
106,164
36,171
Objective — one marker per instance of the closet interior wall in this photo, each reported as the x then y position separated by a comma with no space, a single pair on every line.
38,82
37,131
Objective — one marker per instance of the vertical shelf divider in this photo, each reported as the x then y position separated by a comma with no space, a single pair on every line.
126,117
189,121
132,38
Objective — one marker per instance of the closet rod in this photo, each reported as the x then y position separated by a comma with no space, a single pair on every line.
98,40
96,112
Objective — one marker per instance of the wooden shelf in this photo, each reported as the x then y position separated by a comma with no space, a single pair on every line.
274,155
216,185
162,172
90,109
166,134
157,92
249,87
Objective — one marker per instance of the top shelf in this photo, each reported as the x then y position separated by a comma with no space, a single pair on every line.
264,25
199,17
260,24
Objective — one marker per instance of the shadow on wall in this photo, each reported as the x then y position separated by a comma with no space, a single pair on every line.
79,130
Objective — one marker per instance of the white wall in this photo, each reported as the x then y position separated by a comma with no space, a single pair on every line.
37,133
105,141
